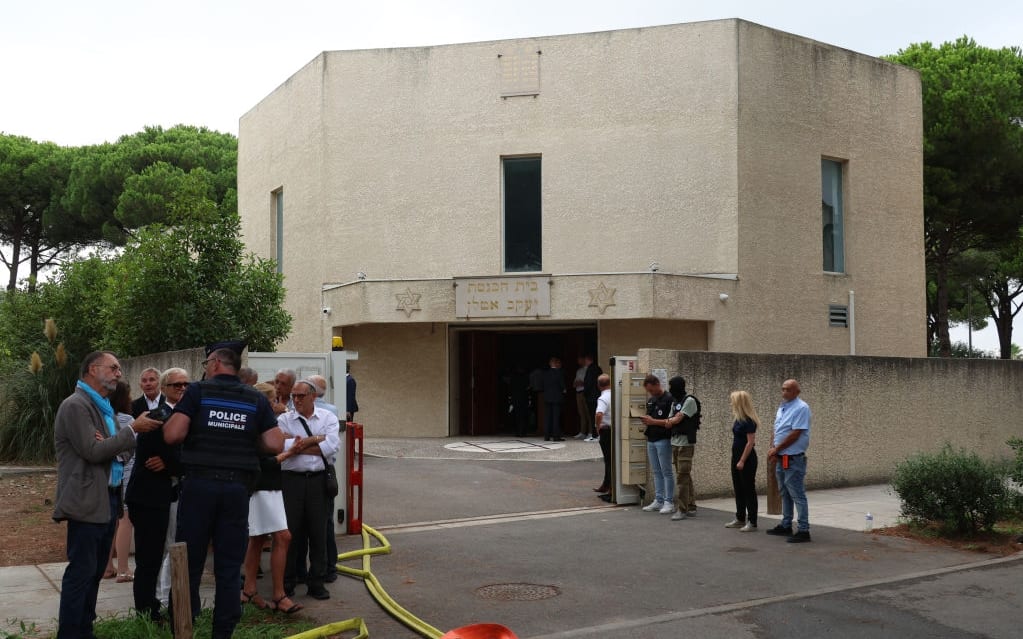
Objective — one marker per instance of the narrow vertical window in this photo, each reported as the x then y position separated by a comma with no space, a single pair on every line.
277,202
522,219
832,216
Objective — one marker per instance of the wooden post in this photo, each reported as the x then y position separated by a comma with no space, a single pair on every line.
773,496
180,592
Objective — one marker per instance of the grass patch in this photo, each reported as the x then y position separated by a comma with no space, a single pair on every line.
254,624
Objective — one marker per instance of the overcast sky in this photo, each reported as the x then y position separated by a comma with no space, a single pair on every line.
77,73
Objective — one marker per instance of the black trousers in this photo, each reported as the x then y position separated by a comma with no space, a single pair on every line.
605,449
305,504
744,483
150,522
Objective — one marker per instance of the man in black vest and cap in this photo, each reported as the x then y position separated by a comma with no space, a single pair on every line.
222,425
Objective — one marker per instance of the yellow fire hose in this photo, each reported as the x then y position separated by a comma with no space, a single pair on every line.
375,590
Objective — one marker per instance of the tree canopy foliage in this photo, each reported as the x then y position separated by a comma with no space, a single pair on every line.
166,269
115,189
973,160
33,179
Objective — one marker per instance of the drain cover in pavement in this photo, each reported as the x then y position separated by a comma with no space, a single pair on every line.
517,592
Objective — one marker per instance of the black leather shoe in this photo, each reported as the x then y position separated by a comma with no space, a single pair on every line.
559,439
780,531
319,593
331,577
801,537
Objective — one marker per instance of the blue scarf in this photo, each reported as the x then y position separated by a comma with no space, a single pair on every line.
105,409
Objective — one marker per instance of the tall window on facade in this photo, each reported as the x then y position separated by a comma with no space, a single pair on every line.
832,219
522,221
277,204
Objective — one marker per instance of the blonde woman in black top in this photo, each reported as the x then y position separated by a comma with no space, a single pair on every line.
744,462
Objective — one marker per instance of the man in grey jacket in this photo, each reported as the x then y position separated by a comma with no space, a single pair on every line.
89,486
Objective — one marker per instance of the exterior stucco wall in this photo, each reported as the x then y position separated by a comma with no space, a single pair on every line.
402,378
190,359
618,337
801,101
868,413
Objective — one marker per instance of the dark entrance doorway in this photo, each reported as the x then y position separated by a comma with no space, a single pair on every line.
494,364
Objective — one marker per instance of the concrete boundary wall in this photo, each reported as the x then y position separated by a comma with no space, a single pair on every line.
189,359
868,413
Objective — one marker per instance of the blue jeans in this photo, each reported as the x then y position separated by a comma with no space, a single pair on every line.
88,547
659,454
791,485
218,512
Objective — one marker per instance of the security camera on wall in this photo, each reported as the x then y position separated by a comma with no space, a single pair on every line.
325,310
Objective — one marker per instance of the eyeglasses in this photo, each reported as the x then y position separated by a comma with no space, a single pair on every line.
178,385
205,362
299,395
113,367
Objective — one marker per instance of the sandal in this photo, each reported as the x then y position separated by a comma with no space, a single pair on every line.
110,574
125,577
254,599
295,607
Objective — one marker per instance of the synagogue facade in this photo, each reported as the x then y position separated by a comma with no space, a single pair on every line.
459,213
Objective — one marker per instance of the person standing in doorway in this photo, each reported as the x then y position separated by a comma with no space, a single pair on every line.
791,439
591,393
554,398
585,416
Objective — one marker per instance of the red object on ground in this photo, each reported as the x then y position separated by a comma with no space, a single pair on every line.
353,499
480,631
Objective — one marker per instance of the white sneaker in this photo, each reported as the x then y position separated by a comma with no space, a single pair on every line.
588,439
580,436
735,523
679,515
748,527
653,506
667,508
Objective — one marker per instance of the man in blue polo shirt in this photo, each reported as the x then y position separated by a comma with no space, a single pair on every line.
791,439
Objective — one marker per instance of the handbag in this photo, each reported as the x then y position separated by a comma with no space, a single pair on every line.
330,474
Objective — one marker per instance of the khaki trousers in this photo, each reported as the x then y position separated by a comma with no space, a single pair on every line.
682,457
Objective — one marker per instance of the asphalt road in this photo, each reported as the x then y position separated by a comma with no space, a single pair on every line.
619,572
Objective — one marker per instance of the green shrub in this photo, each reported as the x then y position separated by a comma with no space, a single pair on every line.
958,490
1017,468
31,393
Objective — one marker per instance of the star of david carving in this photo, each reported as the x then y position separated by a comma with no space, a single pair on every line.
408,302
602,297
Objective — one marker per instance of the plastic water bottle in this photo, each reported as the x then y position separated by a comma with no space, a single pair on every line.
869,523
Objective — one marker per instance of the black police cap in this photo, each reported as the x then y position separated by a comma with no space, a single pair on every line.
235,345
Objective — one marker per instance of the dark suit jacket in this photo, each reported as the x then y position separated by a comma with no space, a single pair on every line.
351,405
590,391
146,487
553,386
139,406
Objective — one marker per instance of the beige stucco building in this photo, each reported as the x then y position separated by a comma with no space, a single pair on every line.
463,209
